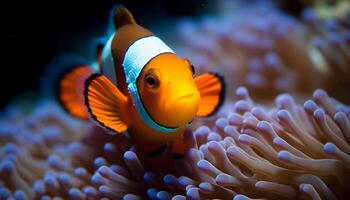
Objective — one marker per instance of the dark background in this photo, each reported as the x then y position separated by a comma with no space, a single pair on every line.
36,32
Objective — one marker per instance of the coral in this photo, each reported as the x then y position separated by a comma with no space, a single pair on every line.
252,151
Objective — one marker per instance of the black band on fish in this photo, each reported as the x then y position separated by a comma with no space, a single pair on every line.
222,93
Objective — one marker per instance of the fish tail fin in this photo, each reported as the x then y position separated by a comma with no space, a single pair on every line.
70,91
122,16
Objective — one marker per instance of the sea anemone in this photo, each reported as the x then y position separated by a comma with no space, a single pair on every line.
254,46
268,51
330,50
287,151
250,149
284,151
37,152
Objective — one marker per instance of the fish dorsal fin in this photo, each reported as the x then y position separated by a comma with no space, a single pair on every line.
122,16
212,90
106,104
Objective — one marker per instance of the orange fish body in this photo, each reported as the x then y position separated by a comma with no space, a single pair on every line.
142,87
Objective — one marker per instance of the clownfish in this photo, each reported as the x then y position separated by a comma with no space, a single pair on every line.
141,86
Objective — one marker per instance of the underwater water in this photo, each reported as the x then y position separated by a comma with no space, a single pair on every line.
282,133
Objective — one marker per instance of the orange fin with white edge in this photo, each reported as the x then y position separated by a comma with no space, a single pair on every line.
211,87
71,91
106,104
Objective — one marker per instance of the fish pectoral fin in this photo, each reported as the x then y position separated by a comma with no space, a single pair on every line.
211,87
106,104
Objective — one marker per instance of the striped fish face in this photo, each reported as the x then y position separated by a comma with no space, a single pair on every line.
168,91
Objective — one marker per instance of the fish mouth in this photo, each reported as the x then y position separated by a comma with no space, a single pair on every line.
181,109
186,96
172,99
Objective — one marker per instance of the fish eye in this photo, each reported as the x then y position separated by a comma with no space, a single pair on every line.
152,80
